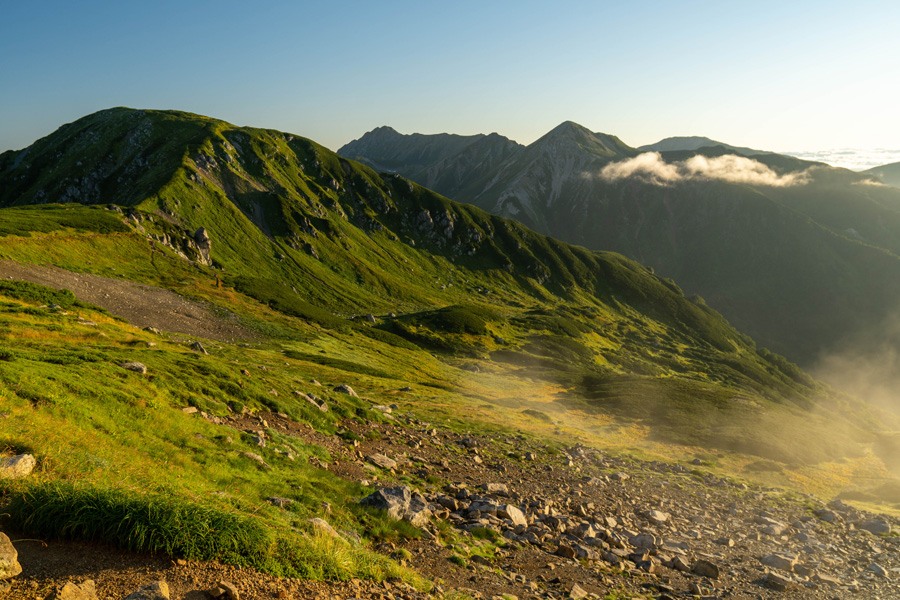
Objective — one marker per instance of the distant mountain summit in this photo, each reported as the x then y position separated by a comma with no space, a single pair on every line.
692,143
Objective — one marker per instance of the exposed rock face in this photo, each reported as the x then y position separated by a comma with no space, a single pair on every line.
9,558
201,237
17,466
400,503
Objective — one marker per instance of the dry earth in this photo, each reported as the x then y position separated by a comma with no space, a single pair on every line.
139,304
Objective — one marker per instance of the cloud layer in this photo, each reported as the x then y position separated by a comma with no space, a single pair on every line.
851,158
650,167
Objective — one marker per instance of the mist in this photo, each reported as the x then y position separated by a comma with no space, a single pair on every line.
651,168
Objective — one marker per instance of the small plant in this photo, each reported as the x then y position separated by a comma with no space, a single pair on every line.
458,560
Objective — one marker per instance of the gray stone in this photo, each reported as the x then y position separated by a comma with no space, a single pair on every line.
780,561
704,568
158,590
876,526
400,503
135,366
17,466
643,540
878,570
826,515
198,347
577,592
382,461
346,389
9,558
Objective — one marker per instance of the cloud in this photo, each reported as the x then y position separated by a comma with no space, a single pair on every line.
651,168
851,158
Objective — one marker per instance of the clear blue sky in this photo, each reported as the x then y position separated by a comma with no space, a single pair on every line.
786,75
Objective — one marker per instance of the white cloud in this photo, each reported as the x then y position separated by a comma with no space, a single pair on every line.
650,167
851,158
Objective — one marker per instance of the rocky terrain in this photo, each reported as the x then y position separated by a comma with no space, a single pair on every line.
501,515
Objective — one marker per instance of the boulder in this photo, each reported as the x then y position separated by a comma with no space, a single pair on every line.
400,503
779,561
643,540
198,347
346,389
704,568
224,590
158,590
382,461
135,366
657,517
75,591
565,551
876,526
17,466
322,526
9,558
499,489
778,582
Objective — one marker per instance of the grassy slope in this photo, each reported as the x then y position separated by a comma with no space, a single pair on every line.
560,325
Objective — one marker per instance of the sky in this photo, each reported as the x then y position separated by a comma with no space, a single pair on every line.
802,76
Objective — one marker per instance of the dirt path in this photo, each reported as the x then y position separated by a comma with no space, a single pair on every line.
139,304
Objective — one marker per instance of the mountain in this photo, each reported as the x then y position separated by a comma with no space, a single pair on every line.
801,256
696,143
211,333
889,174
283,220
445,163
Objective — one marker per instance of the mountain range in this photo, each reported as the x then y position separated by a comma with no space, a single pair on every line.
212,337
801,256
281,219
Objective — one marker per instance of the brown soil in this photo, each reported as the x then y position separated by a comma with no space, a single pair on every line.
139,304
